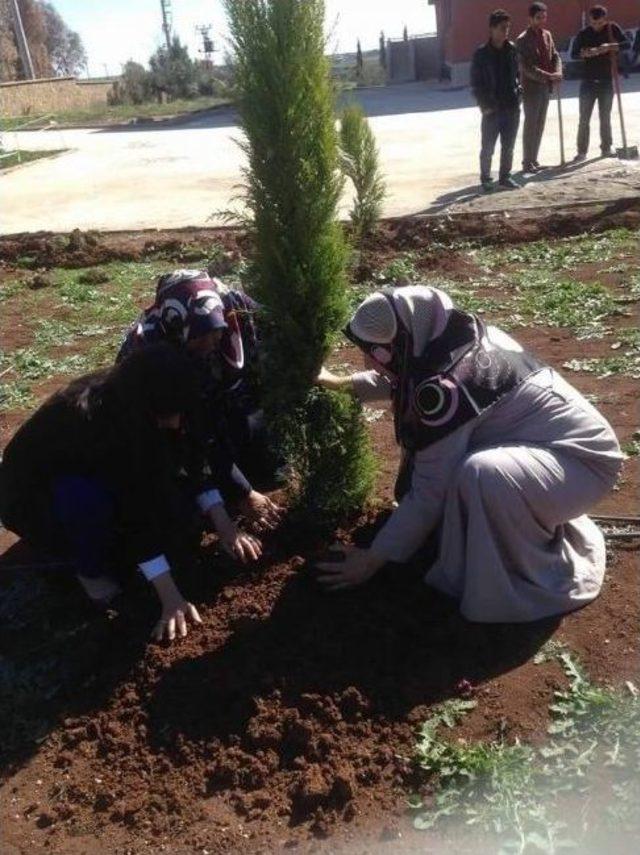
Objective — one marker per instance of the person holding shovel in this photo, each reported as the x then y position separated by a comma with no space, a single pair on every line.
595,45
540,71
495,85
111,470
501,457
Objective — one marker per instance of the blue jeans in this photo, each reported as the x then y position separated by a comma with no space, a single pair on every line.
85,511
503,123
590,92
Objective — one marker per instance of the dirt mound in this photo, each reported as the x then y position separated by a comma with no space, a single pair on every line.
44,250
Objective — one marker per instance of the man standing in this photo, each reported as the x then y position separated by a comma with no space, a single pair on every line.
495,84
540,69
595,45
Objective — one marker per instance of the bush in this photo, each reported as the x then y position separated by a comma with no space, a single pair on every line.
174,72
134,86
360,163
293,186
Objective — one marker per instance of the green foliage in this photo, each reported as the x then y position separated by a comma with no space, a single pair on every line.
173,71
359,158
293,186
514,792
135,85
331,455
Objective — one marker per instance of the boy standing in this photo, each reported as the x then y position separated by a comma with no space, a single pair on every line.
595,45
540,69
495,84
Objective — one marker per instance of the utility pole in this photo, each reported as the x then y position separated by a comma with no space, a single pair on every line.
165,6
21,39
208,49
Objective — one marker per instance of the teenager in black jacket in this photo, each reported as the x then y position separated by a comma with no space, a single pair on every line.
112,468
495,83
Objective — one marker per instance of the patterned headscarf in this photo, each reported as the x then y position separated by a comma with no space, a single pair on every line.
396,318
187,305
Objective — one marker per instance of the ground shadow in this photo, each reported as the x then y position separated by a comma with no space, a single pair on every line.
60,656
397,642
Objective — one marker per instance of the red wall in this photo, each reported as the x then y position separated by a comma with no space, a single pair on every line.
462,24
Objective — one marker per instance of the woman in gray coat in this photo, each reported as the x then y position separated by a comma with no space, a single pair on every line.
498,450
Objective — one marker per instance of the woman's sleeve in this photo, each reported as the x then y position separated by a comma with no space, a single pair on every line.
421,508
371,386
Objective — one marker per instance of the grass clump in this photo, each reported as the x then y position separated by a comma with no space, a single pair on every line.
293,185
517,795
359,159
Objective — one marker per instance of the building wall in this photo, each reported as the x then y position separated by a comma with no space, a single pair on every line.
52,95
462,24
401,61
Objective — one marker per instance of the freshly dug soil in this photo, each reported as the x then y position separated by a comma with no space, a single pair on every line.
287,720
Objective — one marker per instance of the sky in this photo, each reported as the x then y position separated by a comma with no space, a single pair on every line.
114,31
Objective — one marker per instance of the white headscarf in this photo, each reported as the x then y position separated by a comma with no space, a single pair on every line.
423,310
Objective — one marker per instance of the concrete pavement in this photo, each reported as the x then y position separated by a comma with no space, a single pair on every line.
172,177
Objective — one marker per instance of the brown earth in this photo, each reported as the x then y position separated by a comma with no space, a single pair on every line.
287,720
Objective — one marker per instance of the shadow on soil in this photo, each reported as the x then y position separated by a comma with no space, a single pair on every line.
397,642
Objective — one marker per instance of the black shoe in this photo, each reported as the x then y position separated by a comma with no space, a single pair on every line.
529,168
539,167
579,158
510,183
488,185
608,152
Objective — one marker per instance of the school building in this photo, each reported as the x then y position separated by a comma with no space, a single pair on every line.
462,24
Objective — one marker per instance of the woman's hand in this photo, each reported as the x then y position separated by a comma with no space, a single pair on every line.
260,510
237,544
175,609
328,380
358,567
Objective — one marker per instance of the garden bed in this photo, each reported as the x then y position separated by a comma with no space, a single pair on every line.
288,720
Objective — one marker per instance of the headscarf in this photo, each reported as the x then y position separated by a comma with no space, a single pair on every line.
187,305
398,320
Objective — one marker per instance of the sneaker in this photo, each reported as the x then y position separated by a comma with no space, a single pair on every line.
579,158
488,185
510,183
540,167
608,152
529,168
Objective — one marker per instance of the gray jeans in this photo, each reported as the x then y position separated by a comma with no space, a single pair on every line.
502,123
590,92
535,101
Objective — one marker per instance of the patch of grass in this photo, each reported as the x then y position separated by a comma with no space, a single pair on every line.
107,114
561,254
513,793
17,158
402,267
579,306
16,395
625,362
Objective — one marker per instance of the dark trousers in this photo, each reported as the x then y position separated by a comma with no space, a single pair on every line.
535,102
590,92
502,123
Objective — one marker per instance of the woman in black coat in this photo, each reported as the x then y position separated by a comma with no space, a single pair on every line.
111,468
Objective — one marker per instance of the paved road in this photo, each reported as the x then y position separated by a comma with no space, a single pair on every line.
175,176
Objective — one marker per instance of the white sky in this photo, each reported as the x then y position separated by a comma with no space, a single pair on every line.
114,31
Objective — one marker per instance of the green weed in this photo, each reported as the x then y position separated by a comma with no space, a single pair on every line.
562,254
514,793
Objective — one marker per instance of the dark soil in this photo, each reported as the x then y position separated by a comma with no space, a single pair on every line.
286,721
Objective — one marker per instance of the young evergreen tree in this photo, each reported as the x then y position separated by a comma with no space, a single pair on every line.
293,185
360,163
359,61
382,51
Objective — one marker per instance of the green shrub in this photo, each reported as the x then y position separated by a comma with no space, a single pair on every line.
360,163
293,186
